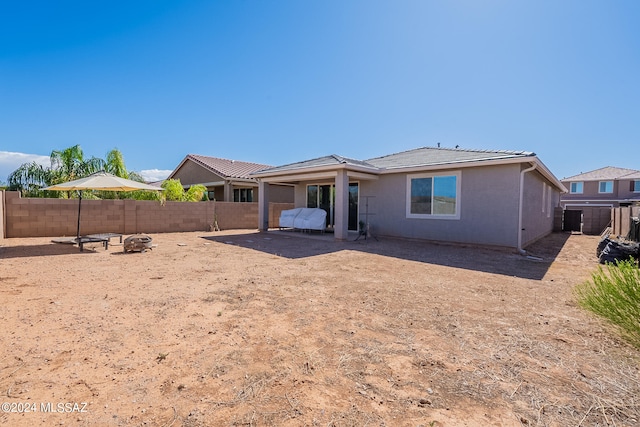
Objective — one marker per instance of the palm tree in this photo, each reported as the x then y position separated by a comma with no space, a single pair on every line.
29,178
66,165
115,164
69,164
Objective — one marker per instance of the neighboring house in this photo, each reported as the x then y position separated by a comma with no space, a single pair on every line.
226,180
587,205
503,198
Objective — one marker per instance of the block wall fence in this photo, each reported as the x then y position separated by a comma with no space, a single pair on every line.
37,217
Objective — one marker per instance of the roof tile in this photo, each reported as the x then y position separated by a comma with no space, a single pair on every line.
606,173
227,168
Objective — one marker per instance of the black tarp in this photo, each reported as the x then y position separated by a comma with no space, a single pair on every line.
612,251
634,230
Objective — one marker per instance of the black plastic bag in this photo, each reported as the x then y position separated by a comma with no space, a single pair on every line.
617,251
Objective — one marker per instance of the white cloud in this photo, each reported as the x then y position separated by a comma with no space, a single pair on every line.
10,161
152,175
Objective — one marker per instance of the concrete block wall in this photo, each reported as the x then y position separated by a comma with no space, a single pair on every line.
274,212
34,217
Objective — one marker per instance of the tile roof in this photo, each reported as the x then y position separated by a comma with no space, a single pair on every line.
609,173
227,168
425,156
430,156
330,160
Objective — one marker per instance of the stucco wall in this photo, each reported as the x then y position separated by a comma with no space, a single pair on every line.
32,217
539,202
488,208
191,173
625,190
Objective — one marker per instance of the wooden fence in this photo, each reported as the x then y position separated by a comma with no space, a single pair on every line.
37,217
621,219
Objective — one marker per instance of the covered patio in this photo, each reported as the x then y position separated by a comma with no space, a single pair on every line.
340,176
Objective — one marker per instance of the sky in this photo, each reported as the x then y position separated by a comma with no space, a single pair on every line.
281,81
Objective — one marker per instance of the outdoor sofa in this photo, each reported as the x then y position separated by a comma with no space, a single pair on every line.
305,219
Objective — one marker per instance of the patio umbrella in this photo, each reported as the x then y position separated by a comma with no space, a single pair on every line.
103,181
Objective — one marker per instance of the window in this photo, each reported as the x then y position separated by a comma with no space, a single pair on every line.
635,186
605,187
576,188
243,195
312,196
433,196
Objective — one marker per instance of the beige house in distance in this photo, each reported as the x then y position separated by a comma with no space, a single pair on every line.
587,205
226,180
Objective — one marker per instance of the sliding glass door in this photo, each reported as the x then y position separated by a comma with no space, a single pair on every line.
323,196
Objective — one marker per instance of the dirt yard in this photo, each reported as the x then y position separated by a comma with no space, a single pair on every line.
240,328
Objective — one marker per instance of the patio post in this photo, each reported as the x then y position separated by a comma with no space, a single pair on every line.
263,205
341,217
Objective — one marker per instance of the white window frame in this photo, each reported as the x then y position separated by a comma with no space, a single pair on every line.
576,183
455,216
600,187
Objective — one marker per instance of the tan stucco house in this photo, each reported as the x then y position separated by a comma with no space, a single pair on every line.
226,180
503,198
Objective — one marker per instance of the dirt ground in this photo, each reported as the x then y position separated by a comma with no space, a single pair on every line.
240,328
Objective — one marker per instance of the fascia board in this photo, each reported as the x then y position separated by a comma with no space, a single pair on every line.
177,168
329,170
208,184
300,177
360,175
540,167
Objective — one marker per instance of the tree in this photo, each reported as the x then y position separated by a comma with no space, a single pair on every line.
173,191
29,178
70,164
67,165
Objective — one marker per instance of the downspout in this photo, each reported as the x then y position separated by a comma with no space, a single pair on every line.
520,207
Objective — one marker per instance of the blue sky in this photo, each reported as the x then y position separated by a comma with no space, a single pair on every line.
281,81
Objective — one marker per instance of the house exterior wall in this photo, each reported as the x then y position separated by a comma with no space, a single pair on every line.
625,189
488,208
280,193
191,173
539,202
590,194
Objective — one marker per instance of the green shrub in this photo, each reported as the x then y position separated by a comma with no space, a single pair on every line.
614,294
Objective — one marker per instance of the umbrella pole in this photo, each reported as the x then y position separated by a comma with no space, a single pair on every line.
79,205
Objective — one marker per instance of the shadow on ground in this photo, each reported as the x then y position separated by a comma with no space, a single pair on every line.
477,258
49,249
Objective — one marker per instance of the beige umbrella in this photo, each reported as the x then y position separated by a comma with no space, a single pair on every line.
101,181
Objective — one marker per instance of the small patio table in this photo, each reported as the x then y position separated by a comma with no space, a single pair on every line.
103,238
